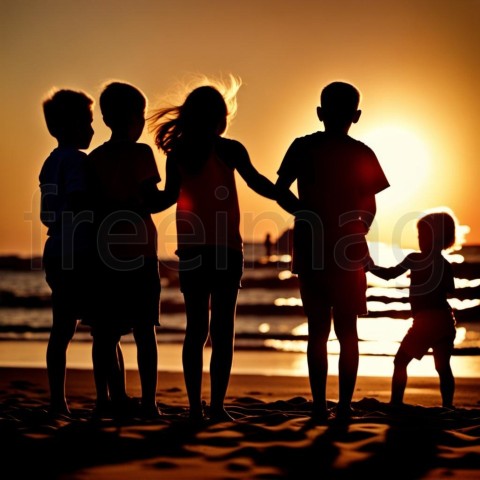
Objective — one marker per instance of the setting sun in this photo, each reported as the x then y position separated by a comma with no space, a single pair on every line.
405,159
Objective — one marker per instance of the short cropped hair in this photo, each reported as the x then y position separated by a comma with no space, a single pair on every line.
441,226
340,97
119,101
63,109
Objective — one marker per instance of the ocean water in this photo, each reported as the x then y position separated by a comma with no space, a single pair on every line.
269,312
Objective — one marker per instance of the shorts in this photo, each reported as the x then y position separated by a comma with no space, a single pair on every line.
314,249
343,290
433,329
125,299
68,281
209,268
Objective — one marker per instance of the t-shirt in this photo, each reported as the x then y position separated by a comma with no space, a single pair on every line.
334,174
116,171
431,280
63,173
207,207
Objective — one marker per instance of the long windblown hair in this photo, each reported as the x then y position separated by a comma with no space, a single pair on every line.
188,131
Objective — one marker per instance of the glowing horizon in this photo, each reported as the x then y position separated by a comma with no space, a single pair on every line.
418,93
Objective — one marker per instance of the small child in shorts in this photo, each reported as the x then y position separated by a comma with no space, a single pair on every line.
431,282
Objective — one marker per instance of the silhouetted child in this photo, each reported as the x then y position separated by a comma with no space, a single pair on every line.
337,179
64,198
431,282
200,169
121,171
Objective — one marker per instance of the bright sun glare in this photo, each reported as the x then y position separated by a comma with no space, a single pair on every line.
405,160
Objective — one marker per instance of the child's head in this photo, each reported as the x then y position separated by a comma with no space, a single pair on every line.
201,117
204,111
68,115
123,108
436,231
339,103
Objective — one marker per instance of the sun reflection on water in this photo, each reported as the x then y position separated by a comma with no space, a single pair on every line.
379,336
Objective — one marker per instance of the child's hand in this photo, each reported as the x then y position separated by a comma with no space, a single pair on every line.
370,265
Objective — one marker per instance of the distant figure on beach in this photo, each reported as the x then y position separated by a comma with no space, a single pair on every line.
268,244
337,179
200,171
64,201
431,283
122,173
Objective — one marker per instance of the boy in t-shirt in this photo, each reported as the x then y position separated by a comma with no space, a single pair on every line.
337,179
63,185
123,173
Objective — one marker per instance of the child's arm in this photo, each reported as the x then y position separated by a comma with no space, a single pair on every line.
159,200
285,198
254,179
260,184
287,174
75,178
387,273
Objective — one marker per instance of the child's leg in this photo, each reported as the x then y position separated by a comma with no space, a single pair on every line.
147,359
222,333
108,371
441,357
116,381
345,325
63,329
196,334
121,370
100,370
399,379
319,324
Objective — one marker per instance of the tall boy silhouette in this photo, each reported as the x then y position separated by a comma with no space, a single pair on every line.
337,179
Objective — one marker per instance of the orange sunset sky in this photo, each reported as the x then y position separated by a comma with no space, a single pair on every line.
416,63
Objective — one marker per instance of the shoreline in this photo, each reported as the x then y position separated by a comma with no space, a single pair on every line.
31,354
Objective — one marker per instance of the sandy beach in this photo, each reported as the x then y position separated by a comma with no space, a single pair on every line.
271,438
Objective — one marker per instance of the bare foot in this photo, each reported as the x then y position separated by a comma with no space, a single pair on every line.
220,415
